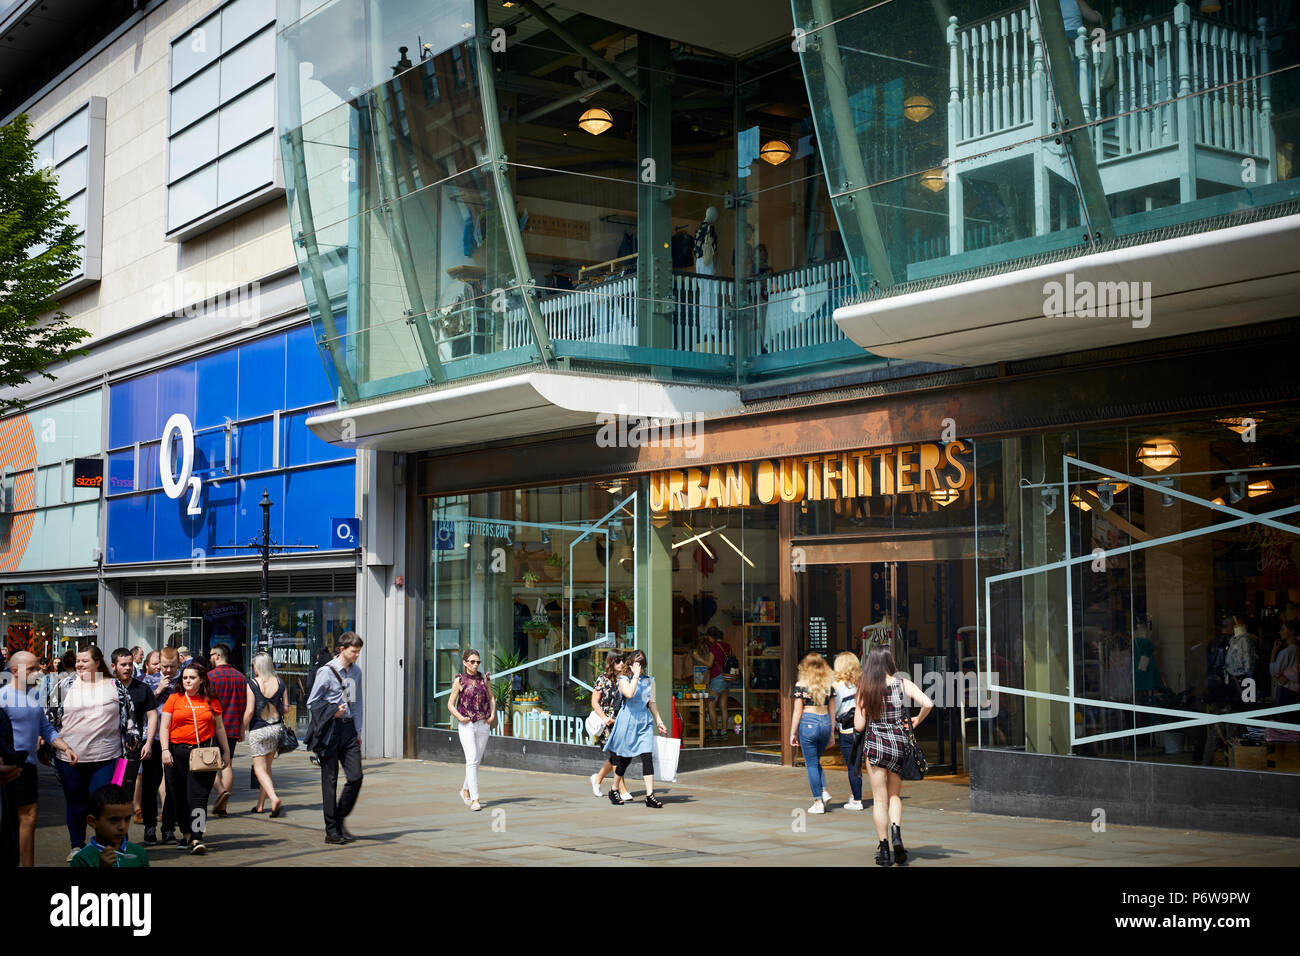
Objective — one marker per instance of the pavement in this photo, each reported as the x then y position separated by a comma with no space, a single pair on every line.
409,814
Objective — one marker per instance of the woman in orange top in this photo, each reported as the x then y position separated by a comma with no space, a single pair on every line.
191,719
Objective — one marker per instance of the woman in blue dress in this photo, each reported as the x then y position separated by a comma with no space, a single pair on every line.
634,730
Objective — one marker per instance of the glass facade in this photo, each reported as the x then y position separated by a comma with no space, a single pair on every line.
541,582
1117,591
50,619
1136,590
464,207
304,628
991,133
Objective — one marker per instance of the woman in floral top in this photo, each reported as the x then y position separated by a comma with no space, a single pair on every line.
474,706
606,700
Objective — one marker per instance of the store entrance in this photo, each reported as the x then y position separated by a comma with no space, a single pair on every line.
925,610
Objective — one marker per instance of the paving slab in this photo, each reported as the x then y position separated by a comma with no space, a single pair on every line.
410,814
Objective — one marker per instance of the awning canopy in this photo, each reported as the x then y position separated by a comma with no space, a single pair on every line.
1236,275
516,406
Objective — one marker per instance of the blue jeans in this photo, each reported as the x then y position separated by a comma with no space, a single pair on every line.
855,770
814,738
79,783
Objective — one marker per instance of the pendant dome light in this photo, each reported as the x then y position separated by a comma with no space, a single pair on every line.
596,121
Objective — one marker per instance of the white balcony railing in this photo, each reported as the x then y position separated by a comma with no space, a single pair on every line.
787,310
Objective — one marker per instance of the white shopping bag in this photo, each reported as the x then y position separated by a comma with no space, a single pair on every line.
667,750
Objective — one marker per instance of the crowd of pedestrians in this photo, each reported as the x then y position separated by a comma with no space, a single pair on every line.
122,732
117,733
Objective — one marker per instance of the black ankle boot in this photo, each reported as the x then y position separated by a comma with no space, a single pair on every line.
896,836
883,857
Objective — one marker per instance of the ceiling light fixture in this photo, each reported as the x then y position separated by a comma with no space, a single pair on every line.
918,108
1049,496
596,121
1158,454
1080,503
774,152
1106,495
932,179
947,496
1257,488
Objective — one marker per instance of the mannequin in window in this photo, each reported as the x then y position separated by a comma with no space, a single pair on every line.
706,244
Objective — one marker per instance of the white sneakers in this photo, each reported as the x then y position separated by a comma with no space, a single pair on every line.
475,805
817,807
853,805
595,785
826,796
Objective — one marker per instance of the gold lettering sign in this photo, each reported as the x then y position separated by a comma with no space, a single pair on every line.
904,469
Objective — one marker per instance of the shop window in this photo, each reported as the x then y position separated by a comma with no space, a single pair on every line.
73,154
220,150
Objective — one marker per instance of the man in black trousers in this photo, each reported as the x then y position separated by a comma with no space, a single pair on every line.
335,734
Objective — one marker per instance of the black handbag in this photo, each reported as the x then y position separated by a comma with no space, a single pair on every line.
288,740
914,762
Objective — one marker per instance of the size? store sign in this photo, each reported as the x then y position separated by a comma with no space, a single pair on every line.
902,469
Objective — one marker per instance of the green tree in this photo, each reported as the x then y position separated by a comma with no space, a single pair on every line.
38,253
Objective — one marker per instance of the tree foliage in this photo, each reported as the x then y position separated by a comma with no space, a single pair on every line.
38,254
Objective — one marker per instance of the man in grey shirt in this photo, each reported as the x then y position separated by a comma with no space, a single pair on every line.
337,715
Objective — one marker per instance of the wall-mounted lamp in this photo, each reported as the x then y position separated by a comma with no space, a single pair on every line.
774,151
1106,495
596,121
1236,487
1166,501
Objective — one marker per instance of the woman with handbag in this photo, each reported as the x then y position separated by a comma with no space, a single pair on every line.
889,745
848,669
194,749
473,704
633,733
268,700
606,702
95,716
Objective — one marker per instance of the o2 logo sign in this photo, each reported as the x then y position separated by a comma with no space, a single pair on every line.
175,484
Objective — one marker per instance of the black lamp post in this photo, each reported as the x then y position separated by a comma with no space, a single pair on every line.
263,544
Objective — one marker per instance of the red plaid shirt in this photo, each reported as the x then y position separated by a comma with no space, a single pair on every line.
231,688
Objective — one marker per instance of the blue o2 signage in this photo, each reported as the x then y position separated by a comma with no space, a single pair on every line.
192,445
346,532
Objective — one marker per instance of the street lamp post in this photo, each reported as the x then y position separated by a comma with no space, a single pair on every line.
263,544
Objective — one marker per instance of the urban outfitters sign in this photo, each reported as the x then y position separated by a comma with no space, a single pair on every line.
897,470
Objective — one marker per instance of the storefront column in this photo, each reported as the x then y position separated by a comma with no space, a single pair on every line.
1042,598
790,612
654,606
381,620
112,634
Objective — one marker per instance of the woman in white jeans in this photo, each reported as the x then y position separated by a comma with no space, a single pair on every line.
473,705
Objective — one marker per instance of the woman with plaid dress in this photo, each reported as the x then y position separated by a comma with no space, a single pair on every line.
883,691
